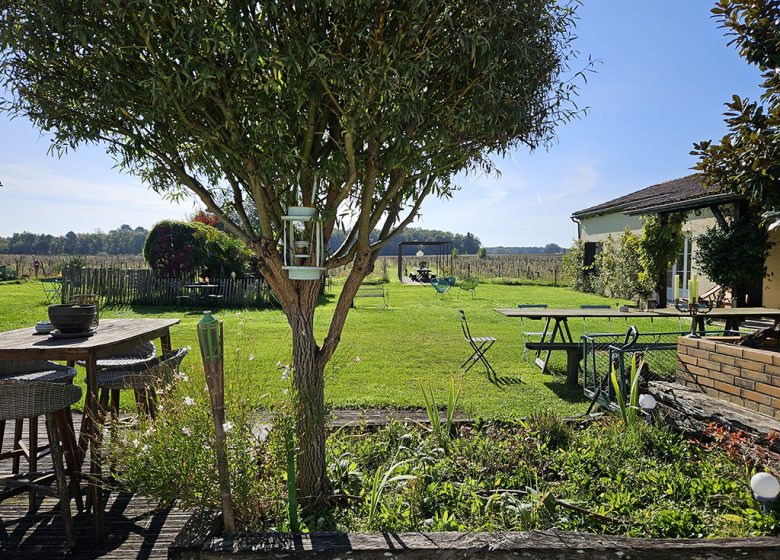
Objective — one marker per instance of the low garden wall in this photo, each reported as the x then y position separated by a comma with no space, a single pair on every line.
748,377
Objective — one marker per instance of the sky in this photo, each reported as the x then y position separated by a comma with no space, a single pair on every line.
663,75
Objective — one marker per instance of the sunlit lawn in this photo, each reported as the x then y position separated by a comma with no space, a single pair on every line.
385,352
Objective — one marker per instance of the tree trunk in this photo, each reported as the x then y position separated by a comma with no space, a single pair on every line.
309,383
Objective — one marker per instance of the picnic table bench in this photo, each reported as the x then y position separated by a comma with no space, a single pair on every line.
371,291
573,356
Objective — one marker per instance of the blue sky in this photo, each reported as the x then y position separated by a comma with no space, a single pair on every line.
664,75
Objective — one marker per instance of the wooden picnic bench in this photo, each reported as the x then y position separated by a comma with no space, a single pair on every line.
371,291
573,356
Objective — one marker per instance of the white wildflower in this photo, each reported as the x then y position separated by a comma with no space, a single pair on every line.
286,373
150,431
251,357
279,364
227,426
186,431
136,443
357,359
181,376
285,391
144,449
189,401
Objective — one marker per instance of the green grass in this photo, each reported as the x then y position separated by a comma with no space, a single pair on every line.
383,352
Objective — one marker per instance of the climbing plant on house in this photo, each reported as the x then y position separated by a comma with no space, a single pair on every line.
619,267
661,242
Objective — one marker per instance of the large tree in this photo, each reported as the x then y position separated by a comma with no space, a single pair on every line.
366,107
747,158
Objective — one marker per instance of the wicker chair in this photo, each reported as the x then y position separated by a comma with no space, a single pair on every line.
142,377
138,355
32,371
30,399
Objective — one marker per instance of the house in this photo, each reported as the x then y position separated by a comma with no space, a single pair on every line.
705,207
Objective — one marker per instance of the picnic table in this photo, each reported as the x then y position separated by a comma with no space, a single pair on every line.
112,337
559,337
201,291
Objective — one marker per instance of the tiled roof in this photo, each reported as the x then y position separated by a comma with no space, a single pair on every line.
669,193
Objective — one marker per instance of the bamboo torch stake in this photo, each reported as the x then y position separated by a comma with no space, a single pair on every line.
211,350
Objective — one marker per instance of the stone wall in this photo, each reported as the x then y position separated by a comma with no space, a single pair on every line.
748,377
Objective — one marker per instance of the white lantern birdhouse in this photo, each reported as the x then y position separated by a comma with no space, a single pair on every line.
302,244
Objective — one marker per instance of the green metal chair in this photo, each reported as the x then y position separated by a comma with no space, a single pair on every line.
469,285
443,285
479,346
52,289
527,335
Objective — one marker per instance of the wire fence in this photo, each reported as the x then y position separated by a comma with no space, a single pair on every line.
655,354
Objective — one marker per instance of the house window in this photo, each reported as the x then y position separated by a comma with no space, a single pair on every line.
681,268
591,249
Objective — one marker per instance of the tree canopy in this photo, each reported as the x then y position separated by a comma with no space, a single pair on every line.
359,108
747,158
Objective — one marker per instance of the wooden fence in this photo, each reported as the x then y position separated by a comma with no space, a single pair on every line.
139,286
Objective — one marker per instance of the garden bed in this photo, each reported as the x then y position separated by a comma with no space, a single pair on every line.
541,474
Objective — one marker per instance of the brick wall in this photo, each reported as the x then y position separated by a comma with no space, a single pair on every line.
745,376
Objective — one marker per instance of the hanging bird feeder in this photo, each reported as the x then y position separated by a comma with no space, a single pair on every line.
302,243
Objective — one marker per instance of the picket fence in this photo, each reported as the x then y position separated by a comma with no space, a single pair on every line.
139,286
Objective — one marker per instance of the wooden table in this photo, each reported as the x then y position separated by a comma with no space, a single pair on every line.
560,336
732,315
112,337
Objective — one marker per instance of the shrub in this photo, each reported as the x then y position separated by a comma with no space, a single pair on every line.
620,268
172,457
661,241
177,248
734,256
575,273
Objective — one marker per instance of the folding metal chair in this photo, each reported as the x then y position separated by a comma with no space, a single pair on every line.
52,289
528,334
479,345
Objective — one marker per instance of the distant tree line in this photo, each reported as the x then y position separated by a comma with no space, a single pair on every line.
124,240
467,244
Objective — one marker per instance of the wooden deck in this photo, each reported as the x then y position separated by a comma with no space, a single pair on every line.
135,526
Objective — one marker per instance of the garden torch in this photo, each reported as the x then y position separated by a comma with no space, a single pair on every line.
211,350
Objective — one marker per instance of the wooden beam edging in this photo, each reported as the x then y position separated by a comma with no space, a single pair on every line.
541,545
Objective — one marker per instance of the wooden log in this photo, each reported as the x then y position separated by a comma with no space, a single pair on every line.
693,413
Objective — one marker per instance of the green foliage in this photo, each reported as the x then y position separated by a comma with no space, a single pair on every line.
575,273
747,158
442,431
175,248
482,253
660,244
619,267
73,264
734,256
172,457
628,410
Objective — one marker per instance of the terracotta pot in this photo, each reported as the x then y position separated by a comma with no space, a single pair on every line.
70,318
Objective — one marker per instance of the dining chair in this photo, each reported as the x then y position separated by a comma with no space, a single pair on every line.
20,399
479,346
39,371
527,335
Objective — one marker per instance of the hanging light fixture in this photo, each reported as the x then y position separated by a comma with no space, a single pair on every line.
419,253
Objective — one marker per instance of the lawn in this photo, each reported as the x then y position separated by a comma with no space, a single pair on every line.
385,352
